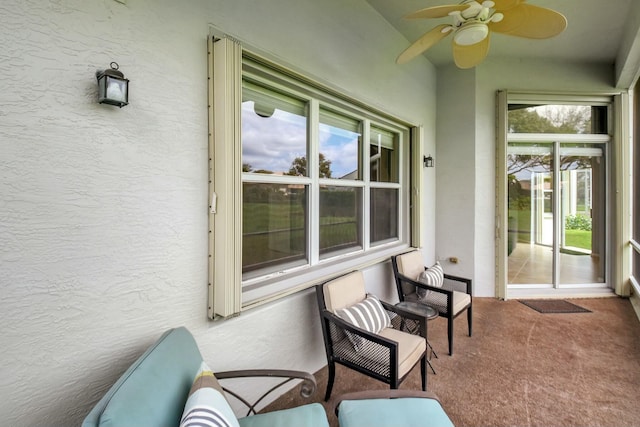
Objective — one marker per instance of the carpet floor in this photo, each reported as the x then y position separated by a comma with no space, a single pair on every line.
523,368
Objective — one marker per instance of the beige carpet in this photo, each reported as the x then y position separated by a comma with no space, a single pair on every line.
524,368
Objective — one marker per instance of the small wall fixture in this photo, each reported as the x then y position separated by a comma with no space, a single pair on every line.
113,88
428,161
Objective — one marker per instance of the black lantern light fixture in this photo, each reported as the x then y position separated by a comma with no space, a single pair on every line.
428,161
113,88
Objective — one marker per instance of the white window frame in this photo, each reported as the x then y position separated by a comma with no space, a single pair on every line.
228,293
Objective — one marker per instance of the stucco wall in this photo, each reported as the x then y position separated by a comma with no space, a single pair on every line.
466,157
103,230
455,165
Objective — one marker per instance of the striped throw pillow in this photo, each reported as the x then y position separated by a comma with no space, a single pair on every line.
368,315
432,276
206,405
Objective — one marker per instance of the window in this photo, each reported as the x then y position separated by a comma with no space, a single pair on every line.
306,182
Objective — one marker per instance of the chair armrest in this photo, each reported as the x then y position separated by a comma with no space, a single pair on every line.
464,280
307,387
443,290
382,394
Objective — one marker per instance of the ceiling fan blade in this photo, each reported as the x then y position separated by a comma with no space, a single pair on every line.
532,22
436,11
502,5
423,43
470,55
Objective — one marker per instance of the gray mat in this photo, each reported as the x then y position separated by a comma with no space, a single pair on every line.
553,306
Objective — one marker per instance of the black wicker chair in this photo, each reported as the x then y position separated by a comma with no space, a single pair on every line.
451,300
387,356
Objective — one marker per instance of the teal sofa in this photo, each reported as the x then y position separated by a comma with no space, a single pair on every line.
153,391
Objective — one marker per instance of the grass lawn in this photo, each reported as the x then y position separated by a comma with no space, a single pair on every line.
277,231
578,239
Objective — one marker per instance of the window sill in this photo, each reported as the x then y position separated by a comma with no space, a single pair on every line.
277,285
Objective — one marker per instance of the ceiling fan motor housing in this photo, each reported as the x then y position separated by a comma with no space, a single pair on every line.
471,33
471,24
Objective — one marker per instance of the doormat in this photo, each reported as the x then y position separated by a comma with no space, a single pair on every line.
553,306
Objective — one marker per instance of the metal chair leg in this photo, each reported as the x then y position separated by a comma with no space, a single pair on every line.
330,379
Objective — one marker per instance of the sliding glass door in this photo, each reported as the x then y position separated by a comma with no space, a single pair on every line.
557,231
557,201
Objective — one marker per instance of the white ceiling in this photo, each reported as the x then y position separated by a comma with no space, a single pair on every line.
593,34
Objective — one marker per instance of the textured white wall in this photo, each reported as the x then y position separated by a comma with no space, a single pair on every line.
455,169
466,156
103,211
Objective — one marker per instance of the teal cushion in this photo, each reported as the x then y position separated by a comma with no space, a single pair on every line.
311,415
406,412
154,390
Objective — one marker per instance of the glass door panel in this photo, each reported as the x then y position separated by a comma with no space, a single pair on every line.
530,197
582,224
557,226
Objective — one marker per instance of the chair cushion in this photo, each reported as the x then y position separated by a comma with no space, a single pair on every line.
311,415
344,291
170,365
460,301
206,404
410,348
393,413
432,276
410,264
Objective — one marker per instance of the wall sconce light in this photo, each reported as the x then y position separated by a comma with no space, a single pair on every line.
428,161
113,88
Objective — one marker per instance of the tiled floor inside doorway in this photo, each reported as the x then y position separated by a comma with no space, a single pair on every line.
532,264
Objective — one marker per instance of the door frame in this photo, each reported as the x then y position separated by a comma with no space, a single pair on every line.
618,208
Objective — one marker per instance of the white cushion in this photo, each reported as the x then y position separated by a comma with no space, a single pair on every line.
410,348
344,291
460,301
410,264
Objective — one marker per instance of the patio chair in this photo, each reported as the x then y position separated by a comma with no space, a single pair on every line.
450,295
363,333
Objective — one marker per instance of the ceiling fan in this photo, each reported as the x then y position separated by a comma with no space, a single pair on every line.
473,23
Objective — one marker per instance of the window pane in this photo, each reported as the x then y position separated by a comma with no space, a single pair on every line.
274,132
340,141
567,119
384,214
274,227
383,156
340,220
